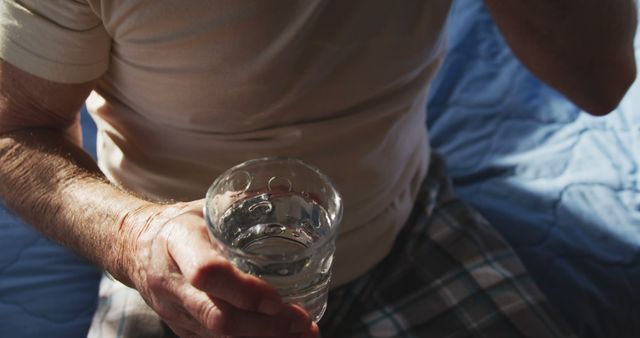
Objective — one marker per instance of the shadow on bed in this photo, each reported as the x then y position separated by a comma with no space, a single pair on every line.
560,185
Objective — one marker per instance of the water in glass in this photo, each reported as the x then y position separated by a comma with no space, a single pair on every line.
282,237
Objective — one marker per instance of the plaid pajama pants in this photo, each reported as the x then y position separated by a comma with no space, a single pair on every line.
450,274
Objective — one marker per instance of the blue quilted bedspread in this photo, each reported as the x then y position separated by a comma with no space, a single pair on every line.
560,185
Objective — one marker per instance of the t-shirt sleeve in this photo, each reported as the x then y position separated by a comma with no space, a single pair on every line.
59,40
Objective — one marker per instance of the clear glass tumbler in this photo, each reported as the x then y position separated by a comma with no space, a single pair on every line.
276,218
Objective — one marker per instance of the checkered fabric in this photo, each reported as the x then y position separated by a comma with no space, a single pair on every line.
450,274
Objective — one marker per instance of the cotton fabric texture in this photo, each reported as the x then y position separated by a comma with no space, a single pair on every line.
188,89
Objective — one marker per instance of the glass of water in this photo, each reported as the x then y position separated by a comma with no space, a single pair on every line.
276,218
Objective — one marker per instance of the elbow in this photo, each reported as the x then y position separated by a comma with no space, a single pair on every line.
605,96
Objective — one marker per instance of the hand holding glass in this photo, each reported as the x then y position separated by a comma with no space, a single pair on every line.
276,218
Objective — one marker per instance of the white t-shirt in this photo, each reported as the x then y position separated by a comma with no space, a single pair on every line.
191,88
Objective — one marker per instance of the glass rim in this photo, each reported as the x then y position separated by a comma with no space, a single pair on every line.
335,222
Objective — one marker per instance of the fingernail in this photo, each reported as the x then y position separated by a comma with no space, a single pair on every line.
269,307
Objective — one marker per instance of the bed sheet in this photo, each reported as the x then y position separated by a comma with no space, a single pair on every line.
560,185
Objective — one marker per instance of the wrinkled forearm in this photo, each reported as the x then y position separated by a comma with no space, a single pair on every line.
55,186
583,48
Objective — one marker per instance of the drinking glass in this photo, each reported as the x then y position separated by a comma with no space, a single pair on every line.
276,218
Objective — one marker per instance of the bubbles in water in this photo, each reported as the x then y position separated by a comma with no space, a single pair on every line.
274,229
265,205
239,181
283,272
325,264
276,183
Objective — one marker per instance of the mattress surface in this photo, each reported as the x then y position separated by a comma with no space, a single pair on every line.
560,185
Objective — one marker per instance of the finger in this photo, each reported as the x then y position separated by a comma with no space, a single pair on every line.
168,304
222,318
206,269
193,328
188,309
231,322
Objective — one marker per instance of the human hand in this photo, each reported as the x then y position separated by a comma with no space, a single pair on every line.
196,291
